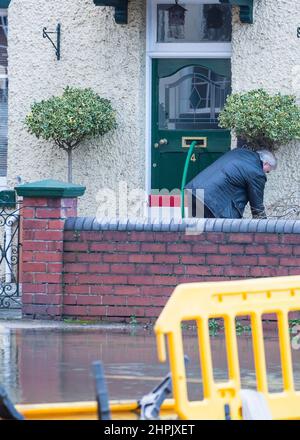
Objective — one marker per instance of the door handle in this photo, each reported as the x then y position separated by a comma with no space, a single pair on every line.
163,141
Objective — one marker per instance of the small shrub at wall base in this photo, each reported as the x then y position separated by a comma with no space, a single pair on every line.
262,120
71,119
133,320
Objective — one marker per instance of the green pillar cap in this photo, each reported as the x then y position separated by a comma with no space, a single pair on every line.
49,188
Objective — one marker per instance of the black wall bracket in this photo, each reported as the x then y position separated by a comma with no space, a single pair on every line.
121,9
56,46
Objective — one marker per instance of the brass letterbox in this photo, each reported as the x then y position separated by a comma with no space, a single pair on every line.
201,142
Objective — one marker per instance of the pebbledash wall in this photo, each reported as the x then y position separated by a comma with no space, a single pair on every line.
111,58
95,52
119,270
266,54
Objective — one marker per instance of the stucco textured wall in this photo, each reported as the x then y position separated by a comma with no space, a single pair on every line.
266,54
97,53
110,58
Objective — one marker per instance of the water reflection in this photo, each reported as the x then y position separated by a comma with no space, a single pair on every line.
47,365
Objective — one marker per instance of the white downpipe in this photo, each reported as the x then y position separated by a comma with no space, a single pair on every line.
7,248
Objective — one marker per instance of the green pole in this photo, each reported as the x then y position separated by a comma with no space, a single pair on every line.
185,171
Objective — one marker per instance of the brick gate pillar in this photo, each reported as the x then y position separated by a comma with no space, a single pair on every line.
46,205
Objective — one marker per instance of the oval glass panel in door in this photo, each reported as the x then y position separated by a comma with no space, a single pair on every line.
192,98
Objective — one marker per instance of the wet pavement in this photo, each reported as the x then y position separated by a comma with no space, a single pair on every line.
51,362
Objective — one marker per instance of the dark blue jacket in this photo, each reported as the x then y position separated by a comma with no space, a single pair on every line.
231,182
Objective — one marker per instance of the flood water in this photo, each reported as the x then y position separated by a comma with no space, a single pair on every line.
54,365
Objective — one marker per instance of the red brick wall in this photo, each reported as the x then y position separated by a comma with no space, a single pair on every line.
114,275
42,234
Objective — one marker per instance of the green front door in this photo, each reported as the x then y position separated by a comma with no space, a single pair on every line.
188,95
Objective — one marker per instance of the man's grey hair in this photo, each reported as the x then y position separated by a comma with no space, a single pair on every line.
268,157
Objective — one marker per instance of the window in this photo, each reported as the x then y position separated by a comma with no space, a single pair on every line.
192,99
3,93
191,27
193,23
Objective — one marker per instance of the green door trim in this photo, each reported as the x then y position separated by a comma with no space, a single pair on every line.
121,9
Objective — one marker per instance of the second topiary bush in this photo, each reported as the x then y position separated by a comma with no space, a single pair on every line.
262,120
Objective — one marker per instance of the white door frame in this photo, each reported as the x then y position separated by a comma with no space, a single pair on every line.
170,50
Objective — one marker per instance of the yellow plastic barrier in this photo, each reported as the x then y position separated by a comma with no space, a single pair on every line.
122,410
202,301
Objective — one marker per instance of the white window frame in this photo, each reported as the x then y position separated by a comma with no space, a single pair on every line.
165,50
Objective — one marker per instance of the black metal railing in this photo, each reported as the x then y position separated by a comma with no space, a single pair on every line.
10,292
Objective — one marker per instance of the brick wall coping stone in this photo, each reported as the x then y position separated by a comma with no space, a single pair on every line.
277,226
50,188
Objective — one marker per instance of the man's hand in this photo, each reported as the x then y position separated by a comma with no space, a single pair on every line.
256,190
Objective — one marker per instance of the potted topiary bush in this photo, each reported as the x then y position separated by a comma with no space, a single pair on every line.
262,120
70,119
